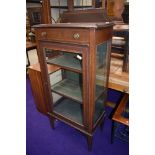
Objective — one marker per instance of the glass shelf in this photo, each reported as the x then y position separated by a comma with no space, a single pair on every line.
68,88
73,90
72,110
66,61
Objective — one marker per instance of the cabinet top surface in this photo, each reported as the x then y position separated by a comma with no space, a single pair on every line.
76,25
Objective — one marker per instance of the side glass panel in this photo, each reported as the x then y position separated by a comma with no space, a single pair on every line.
102,63
66,83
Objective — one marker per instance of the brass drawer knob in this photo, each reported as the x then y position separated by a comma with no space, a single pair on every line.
43,34
76,36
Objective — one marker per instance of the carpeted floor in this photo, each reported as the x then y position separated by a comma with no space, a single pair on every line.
65,140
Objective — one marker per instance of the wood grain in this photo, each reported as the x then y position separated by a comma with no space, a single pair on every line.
118,113
57,34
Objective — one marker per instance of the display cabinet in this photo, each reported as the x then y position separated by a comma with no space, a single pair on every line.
81,53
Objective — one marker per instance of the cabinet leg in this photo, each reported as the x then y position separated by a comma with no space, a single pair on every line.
89,142
52,120
102,123
112,132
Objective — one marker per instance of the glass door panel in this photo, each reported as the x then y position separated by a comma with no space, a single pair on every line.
66,83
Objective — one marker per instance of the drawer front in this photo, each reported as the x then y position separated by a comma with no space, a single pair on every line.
64,35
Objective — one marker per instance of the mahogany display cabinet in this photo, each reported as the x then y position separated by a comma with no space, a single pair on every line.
80,53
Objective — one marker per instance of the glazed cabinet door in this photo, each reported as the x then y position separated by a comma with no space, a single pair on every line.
66,85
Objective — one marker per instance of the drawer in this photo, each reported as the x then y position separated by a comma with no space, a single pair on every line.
64,35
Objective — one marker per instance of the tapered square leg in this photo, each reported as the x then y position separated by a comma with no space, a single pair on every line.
89,142
112,132
102,123
52,122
